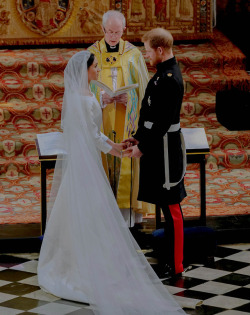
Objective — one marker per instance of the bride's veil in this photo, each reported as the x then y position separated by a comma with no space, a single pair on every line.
88,253
74,121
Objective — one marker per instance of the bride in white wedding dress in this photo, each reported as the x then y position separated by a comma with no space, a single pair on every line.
88,253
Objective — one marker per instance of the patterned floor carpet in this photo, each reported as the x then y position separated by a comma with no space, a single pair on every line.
221,287
31,90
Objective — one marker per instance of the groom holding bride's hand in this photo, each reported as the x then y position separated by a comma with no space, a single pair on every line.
157,142
132,149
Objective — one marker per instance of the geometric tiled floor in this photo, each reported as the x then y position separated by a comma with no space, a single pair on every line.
224,287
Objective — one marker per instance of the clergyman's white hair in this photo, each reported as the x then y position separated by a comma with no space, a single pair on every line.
113,14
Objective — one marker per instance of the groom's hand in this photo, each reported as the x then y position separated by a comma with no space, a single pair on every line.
133,152
130,142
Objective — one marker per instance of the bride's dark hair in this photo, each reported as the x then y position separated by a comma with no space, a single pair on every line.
90,60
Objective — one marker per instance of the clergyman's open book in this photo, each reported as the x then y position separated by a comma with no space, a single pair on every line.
121,90
50,143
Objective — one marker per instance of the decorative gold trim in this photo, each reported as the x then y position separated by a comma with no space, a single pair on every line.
197,153
47,160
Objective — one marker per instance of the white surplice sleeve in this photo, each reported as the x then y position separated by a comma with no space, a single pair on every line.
95,120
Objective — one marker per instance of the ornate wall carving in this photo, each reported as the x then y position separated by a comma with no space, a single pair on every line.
44,17
78,21
4,18
186,19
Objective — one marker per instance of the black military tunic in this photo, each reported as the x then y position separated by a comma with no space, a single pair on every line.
160,109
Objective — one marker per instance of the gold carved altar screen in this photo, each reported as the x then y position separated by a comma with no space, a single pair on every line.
34,22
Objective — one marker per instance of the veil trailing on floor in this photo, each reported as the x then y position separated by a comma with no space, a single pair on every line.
88,253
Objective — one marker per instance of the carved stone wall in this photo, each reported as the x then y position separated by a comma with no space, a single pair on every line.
37,22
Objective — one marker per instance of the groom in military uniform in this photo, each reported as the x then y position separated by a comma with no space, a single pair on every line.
159,144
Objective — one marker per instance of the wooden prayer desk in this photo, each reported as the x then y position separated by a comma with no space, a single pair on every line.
196,148
47,162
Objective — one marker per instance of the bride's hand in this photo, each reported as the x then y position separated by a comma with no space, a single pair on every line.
120,146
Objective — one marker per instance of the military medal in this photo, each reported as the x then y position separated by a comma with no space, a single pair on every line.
156,81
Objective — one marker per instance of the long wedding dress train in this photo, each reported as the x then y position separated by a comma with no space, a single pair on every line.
88,253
